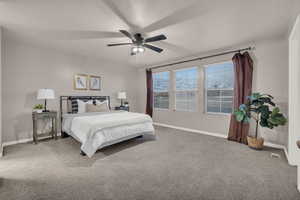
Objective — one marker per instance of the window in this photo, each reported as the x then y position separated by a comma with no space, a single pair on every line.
161,90
219,80
186,89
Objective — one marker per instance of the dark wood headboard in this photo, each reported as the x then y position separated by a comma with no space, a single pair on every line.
83,98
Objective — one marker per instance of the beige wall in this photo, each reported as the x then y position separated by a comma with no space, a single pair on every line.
270,76
1,149
27,68
294,95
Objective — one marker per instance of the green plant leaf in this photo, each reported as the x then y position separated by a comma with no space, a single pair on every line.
270,125
247,119
264,110
38,106
256,95
263,122
242,107
277,118
239,115
270,96
267,100
275,111
253,96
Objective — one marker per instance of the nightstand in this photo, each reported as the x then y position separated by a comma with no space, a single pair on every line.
44,115
126,108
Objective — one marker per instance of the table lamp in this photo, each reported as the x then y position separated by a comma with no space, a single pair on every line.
122,96
45,94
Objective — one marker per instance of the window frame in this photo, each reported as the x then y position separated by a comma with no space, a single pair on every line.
194,90
168,91
205,90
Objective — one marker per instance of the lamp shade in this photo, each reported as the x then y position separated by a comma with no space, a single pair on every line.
45,94
121,95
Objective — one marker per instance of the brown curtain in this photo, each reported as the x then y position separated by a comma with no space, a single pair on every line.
243,71
149,81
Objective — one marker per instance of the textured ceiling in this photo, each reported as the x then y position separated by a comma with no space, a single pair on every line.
192,26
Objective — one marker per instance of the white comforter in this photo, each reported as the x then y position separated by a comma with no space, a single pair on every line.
97,129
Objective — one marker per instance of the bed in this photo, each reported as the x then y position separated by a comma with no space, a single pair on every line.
95,130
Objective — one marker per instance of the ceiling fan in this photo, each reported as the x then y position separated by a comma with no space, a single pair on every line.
139,43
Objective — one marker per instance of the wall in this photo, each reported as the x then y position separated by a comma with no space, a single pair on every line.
27,68
1,148
294,94
270,76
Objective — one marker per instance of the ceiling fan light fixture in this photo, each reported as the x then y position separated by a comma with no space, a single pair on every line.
137,49
134,49
141,49
138,43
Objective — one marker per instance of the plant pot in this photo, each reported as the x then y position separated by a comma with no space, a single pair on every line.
38,110
255,143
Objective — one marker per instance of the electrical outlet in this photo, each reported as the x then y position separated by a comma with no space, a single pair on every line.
275,155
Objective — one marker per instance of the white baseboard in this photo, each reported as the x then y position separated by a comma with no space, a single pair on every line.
287,155
1,151
298,178
278,146
191,130
268,144
25,140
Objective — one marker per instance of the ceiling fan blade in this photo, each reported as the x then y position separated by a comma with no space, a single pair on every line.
156,38
154,48
78,34
178,16
118,44
55,34
127,34
175,48
118,12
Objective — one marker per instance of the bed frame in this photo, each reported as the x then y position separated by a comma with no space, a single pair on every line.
65,99
64,104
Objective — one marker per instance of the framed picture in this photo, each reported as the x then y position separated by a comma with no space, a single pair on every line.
95,83
80,81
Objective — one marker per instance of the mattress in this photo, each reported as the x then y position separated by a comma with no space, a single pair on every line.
97,130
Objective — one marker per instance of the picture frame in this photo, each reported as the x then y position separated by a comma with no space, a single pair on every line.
95,83
80,82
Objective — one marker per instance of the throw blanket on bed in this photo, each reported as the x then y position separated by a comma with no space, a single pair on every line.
87,126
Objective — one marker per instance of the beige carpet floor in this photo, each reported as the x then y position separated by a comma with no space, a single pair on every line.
178,165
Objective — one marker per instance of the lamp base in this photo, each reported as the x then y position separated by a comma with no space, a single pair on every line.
45,107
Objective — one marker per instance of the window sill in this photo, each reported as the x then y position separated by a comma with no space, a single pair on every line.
216,113
188,111
161,109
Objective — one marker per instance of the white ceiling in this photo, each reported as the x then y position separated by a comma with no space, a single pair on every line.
192,26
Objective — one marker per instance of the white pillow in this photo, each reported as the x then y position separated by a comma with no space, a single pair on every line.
82,105
97,108
102,102
106,102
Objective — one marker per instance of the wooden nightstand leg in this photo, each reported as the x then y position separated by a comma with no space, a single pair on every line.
52,128
35,138
34,132
55,128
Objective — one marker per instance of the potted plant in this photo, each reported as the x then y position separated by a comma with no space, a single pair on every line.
264,111
38,108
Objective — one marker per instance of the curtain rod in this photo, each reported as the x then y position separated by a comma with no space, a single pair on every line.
202,58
